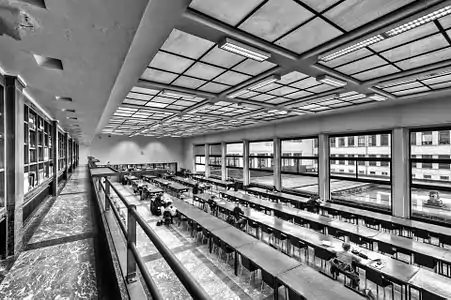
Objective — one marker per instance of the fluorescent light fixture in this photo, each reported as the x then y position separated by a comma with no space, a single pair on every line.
352,48
176,94
244,50
377,97
277,112
237,93
420,21
26,94
331,81
266,81
352,97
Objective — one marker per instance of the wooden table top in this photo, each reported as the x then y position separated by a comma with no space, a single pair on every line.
283,195
233,236
313,285
432,282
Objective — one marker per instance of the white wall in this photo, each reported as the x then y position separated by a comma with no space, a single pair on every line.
139,149
416,113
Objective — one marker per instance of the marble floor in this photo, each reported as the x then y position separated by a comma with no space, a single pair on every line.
214,274
59,260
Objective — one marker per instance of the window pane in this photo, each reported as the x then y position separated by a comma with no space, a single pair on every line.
350,141
261,148
200,168
261,163
362,141
413,138
262,177
215,149
443,137
372,140
215,171
200,159
332,142
427,165
368,194
351,162
426,138
235,149
341,142
234,161
384,139
374,172
300,147
215,161
300,183
199,150
444,165
295,165
431,204
235,173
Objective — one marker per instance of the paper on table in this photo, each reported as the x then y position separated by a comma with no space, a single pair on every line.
326,243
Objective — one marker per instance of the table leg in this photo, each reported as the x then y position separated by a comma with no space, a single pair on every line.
236,263
209,243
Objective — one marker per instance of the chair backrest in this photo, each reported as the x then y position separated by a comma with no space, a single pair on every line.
294,296
376,277
386,248
268,278
426,295
324,254
424,260
248,264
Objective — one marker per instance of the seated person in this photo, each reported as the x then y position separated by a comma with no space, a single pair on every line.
236,185
313,204
211,206
434,199
236,218
170,212
196,189
345,262
157,205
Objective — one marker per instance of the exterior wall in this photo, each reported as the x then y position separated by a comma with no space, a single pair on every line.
386,117
139,149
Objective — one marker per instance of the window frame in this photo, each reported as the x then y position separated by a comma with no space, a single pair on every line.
235,157
413,163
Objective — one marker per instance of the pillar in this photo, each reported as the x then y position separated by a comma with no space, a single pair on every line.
223,161
277,163
66,155
323,166
55,157
14,163
400,173
207,160
246,178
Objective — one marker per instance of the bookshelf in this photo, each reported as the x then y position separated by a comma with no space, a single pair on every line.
37,149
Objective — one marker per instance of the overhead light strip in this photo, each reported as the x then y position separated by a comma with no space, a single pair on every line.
331,81
388,34
266,81
237,93
376,97
244,50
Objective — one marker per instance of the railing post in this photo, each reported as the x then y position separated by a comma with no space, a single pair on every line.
107,194
131,240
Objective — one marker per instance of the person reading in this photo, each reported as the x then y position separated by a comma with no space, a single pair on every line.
345,262
236,218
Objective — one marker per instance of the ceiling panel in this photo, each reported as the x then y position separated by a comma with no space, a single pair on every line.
299,94
204,71
186,44
230,12
425,59
213,87
348,58
219,57
351,14
275,18
412,91
232,78
362,64
139,96
170,62
291,77
311,34
158,76
403,87
189,82
320,5
374,73
253,67
306,83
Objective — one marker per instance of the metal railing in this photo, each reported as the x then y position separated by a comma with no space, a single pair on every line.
134,259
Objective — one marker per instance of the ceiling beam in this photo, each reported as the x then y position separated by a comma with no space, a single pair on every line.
405,14
163,86
151,109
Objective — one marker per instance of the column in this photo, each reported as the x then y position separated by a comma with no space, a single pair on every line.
193,152
246,178
207,160
66,155
277,164
400,173
223,161
14,163
55,157
323,167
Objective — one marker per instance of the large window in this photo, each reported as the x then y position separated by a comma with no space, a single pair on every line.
261,163
215,160
234,160
199,153
430,175
362,175
299,166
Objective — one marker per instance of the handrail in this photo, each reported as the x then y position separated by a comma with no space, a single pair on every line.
191,285
115,211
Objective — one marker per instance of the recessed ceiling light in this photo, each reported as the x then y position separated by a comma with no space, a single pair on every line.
63,98
48,62
266,81
331,81
71,110
72,118
244,50
377,97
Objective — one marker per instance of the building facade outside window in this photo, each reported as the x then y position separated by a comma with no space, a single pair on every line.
261,164
234,160
430,163
215,160
299,166
199,153
362,175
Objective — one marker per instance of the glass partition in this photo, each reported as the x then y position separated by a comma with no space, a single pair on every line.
430,169
234,160
360,170
299,166
261,164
